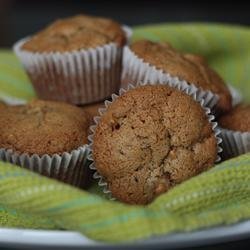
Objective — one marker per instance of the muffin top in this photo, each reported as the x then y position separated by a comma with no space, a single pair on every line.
237,119
189,67
43,127
75,33
150,139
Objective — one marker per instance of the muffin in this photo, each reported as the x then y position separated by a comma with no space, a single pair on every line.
2,105
47,137
76,33
76,59
238,119
235,127
191,68
150,139
92,110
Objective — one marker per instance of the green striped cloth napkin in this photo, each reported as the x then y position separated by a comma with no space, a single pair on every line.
219,196
14,83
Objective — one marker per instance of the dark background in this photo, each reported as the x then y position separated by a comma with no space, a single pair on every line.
19,18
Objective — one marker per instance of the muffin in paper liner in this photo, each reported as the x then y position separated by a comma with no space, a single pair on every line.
135,70
188,89
69,167
234,143
78,77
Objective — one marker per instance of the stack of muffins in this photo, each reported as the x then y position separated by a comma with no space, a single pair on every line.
155,129
75,60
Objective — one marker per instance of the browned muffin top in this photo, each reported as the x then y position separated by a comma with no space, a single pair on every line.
43,127
189,67
150,139
75,33
237,119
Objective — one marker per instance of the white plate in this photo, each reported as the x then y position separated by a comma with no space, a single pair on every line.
74,240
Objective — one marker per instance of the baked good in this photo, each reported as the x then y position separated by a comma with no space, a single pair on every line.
235,131
2,105
43,127
75,33
76,60
150,139
188,67
47,137
238,119
92,109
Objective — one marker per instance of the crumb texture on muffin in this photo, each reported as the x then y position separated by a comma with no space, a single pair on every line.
75,33
189,67
150,139
238,119
43,127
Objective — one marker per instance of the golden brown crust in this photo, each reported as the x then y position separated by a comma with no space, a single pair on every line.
75,33
238,119
43,127
189,67
150,139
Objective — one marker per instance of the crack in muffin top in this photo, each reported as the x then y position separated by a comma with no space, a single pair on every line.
189,67
75,33
150,139
43,127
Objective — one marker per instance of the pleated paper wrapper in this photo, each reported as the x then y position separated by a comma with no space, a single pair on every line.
78,77
69,167
188,89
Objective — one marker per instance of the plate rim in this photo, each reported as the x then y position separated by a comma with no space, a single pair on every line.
71,239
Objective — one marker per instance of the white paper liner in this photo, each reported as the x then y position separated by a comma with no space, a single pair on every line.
234,143
71,168
236,95
78,77
188,89
135,70
10,100
128,31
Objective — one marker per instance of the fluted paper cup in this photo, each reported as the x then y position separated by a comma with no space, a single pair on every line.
69,167
78,77
236,95
188,89
135,70
234,143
